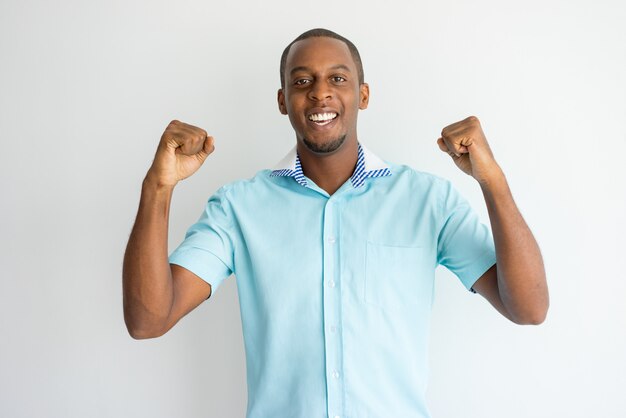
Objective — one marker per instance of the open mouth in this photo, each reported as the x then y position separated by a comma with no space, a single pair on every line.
322,119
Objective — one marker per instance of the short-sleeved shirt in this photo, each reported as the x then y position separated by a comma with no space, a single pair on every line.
335,291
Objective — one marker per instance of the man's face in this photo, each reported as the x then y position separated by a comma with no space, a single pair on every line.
322,94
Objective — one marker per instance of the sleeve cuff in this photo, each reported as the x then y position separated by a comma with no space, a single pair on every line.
477,269
203,264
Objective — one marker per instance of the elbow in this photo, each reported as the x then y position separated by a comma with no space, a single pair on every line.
531,320
532,310
142,334
141,331
533,317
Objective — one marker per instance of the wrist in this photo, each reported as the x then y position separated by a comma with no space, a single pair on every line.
492,178
491,175
153,183
494,183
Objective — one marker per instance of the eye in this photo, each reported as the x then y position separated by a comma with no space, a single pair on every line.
338,79
301,82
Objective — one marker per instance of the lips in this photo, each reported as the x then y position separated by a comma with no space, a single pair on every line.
321,117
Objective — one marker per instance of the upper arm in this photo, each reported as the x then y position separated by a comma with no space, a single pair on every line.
189,292
487,287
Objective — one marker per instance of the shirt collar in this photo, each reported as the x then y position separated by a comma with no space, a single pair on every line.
368,165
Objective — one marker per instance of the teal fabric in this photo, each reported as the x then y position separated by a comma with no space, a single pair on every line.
335,292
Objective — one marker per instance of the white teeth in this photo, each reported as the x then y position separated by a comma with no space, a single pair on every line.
322,117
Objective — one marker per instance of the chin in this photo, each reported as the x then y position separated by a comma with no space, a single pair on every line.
326,147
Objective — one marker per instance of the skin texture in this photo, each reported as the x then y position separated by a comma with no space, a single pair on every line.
321,76
516,286
158,294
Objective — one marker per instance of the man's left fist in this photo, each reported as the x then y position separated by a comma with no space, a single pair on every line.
465,142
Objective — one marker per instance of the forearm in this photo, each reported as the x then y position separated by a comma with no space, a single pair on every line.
521,275
147,278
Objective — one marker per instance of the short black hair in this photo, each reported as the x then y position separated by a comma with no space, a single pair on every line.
320,33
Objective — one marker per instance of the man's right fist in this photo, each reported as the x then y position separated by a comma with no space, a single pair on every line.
181,151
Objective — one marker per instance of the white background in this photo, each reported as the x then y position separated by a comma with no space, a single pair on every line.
87,88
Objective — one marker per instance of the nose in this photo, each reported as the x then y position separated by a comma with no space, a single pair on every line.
320,91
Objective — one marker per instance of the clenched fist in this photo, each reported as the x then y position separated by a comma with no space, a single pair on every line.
181,151
465,142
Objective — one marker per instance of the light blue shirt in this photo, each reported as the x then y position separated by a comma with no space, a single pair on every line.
335,292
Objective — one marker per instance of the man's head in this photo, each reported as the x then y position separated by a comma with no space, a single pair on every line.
322,89
320,32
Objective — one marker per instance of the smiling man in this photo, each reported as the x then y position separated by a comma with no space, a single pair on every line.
334,249
322,90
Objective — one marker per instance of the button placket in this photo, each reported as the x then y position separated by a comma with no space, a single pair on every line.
332,309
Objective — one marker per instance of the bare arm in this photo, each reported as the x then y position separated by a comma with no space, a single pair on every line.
516,286
519,278
157,294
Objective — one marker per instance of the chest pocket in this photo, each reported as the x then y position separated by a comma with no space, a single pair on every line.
398,277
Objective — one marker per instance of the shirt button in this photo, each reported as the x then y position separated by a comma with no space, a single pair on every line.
331,239
331,283
336,374
333,328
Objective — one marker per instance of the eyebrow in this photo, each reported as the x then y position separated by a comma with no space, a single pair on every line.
334,67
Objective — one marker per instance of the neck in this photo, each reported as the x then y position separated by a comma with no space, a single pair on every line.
329,171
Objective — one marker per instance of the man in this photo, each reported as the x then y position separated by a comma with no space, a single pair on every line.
334,250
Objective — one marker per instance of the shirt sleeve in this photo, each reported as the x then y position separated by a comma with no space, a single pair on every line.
465,245
207,249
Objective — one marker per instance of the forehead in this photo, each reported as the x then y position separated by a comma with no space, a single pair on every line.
319,53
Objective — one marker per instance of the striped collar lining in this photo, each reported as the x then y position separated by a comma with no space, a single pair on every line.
367,165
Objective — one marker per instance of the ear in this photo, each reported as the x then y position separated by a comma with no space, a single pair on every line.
281,102
364,96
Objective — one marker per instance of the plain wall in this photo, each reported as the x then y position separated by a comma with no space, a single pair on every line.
87,88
